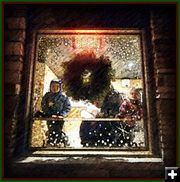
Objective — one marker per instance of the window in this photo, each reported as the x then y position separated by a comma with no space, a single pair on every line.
112,120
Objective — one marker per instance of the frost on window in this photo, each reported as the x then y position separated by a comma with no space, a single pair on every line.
114,120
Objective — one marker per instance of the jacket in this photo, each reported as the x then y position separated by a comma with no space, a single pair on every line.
55,104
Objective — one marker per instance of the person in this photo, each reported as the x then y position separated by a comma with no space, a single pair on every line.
55,104
101,134
130,111
131,108
111,103
87,130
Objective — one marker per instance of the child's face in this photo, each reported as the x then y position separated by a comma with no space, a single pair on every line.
55,87
134,95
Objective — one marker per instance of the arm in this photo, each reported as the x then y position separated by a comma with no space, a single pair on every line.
66,107
123,109
126,113
44,104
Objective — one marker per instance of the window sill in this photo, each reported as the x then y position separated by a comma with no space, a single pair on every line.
36,159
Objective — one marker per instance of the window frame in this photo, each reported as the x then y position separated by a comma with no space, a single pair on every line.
153,147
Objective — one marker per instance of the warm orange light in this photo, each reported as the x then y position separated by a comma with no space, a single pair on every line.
97,31
88,31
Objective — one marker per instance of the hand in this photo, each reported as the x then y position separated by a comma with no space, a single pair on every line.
54,116
130,121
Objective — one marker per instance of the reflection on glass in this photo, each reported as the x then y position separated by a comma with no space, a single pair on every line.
116,120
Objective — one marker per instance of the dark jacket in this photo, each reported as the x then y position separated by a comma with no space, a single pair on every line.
55,104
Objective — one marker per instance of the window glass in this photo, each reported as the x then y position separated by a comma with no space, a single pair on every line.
98,76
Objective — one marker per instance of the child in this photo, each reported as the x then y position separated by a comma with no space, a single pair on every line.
55,104
131,108
130,111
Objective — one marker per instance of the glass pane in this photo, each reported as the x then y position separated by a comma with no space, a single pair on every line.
106,108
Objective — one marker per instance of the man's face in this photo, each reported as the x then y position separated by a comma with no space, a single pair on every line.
55,87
